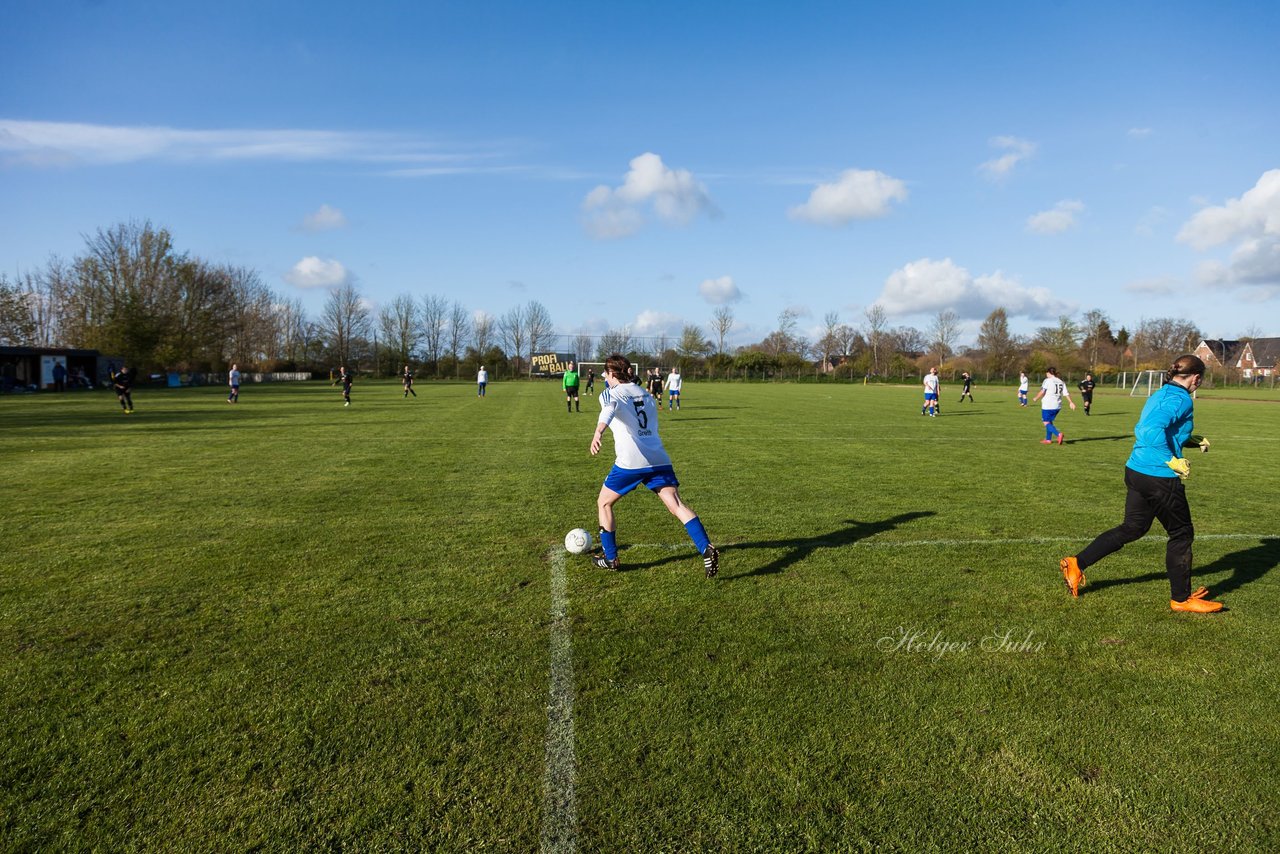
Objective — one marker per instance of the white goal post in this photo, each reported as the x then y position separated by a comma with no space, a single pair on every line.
1146,382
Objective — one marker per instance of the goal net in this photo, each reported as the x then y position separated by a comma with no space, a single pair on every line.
1145,382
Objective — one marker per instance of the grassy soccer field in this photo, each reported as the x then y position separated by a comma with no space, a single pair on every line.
288,625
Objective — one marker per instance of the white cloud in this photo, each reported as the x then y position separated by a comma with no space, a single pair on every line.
312,272
70,143
1254,214
1252,224
651,323
858,194
721,291
674,196
1016,150
1139,133
927,286
1162,286
324,218
1057,219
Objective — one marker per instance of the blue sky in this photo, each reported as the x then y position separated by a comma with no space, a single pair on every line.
640,165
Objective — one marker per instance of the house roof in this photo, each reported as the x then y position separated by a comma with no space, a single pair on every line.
1217,347
1265,351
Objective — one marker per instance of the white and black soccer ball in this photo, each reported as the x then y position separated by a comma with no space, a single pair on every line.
577,541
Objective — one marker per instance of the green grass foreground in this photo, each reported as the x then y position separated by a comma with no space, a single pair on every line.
286,625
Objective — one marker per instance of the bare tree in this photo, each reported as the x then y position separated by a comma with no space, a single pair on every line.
1094,325
344,320
584,346
829,343
482,331
721,325
877,323
538,326
400,328
1062,340
614,341
432,315
1163,339
513,330
17,328
459,328
942,334
693,344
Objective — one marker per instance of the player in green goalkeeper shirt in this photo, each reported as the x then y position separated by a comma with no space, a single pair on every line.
571,389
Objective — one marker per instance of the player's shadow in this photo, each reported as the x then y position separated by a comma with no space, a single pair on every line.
1099,439
1245,566
799,548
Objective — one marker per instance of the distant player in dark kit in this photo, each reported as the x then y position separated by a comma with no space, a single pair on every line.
1086,391
571,389
967,391
591,380
122,382
407,379
655,385
344,377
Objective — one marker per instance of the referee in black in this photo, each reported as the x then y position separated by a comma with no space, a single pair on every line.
1086,391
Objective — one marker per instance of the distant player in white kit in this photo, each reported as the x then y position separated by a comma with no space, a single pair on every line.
233,380
672,384
1053,390
930,407
630,412
1023,383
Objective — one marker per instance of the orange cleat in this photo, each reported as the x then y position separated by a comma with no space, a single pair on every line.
1195,606
1061,436
1072,574
1045,442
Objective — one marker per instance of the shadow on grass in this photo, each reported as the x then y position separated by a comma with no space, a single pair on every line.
1245,565
798,548
1099,439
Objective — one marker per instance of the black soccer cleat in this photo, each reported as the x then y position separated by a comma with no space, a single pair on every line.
711,560
604,563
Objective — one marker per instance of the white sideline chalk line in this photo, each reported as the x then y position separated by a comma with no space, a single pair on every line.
559,805
873,544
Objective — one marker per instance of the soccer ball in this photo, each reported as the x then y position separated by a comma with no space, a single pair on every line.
577,541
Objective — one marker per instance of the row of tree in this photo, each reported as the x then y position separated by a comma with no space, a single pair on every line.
131,294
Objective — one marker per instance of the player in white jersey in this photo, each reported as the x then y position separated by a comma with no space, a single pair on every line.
1052,390
672,385
930,407
1023,382
630,412
233,380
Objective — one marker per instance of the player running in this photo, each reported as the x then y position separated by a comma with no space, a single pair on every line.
233,380
930,407
1153,476
672,385
1086,391
407,379
630,412
122,382
1053,390
571,390
344,377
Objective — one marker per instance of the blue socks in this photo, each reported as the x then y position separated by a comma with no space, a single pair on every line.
698,534
609,542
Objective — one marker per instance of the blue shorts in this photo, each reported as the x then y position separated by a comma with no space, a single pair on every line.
675,392
930,395
1049,414
623,481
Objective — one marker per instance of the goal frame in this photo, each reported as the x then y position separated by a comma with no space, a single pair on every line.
1154,380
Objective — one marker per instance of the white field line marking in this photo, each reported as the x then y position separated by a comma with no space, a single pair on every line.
559,805
891,544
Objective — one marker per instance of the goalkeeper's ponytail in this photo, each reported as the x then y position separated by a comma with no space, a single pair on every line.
1184,366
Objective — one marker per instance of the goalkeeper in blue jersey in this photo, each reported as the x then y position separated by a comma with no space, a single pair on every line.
1154,475
630,412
